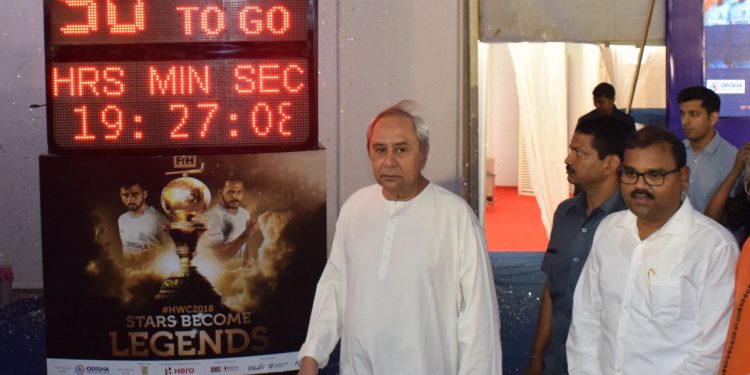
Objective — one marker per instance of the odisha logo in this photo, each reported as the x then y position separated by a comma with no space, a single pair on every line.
179,371
81,369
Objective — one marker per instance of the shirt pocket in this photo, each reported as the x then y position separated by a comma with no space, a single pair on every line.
665,297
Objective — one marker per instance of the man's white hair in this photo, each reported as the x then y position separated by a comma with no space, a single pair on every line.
407,109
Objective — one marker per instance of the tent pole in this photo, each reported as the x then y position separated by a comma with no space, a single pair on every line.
640,56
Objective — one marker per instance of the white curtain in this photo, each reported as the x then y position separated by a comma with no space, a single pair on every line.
620,62
542,96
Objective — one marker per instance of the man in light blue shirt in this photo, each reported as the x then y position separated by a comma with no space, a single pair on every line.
709,156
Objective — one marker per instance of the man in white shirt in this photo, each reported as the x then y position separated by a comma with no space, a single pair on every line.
408,286
229,224
655,294
141,227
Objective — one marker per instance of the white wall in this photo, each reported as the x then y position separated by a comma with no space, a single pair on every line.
392,50
371,54
22,139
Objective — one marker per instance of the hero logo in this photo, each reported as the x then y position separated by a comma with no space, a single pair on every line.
179,371
726,86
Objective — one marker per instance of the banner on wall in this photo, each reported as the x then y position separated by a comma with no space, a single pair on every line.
194,264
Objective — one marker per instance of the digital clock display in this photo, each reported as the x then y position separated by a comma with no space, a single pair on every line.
139,76
175,21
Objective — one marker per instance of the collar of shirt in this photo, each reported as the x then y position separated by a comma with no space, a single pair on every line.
394,208
613,204
711,147
678,225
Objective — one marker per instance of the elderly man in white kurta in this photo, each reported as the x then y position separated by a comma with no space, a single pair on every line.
656,292
408,286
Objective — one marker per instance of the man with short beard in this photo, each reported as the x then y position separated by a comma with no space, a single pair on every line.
229,224
141,227
655,295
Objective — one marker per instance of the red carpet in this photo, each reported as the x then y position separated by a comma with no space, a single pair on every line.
514,222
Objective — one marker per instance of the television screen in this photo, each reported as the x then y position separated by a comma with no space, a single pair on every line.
726,32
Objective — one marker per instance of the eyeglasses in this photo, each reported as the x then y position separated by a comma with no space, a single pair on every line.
629,176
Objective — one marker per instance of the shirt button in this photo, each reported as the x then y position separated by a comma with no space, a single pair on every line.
576,259
584,230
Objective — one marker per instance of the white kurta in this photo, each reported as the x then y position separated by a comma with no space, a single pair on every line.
657,306
408,287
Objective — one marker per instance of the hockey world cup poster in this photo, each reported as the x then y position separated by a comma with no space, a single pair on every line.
180,264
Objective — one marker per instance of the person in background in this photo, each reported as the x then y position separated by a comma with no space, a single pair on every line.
604,105
596,150
709,156
729,205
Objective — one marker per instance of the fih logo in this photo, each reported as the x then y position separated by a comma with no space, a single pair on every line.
80,369
179,371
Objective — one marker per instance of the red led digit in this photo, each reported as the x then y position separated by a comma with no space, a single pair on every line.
92,24
266,76
219,23
240,72
278,28
257,23
187,15
175,133
113,75
269,119
203,82
284,118
139,19
287,80
155,81
58,80
116,125
88,76
84,136
212,108
179,80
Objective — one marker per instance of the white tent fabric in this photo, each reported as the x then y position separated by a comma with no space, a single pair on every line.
586,21
542,118
620,63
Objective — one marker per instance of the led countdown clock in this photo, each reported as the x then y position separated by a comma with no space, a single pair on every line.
164,76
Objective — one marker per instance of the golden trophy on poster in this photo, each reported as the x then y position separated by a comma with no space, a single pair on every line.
185,199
